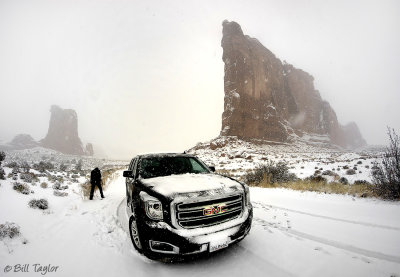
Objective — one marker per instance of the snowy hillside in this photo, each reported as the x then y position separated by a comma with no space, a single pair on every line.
235,157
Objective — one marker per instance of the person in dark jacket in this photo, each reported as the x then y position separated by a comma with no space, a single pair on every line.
95,180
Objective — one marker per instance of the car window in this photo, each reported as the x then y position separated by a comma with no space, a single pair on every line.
163,166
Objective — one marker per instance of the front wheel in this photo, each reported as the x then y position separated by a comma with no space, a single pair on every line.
134,232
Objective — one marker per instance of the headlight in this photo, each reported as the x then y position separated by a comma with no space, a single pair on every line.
154,209
152,206
247,193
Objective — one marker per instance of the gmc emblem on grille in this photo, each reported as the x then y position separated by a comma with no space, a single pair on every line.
216,209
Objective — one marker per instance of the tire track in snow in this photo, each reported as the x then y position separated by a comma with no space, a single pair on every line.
354,249
329,217
336,244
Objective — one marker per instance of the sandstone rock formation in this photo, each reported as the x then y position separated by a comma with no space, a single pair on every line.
270,100
63,132
89,149
23,141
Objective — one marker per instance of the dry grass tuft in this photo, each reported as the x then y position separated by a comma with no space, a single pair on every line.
359,190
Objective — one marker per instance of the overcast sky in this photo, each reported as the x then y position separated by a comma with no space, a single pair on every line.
147,76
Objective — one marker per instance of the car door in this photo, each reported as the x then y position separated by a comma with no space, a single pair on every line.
130,181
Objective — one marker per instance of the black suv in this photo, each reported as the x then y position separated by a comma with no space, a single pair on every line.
177,206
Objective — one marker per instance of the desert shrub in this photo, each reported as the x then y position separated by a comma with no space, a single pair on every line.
58,186
63,167
316,179
25,166
44,185
9,230
346,167
350,171
386,176
329,172
2,174
28,177
60,193
343,180
42,204
361,182
270,172
21,188
2,156
375,167
15,170
78,166
12,164
42,166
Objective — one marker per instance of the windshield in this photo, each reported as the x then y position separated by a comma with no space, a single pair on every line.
163,166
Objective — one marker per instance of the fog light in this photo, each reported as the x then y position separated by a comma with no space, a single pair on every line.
163,247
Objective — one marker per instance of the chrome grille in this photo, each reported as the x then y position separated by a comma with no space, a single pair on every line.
194,214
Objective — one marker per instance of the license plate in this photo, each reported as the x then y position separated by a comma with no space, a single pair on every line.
215,246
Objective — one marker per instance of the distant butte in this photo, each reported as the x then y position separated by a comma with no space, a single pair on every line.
270,100
63,133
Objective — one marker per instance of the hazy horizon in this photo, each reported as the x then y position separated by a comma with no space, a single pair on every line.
148,76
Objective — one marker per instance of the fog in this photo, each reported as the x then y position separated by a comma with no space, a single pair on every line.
147,76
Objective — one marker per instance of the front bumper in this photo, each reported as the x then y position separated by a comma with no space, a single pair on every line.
162,238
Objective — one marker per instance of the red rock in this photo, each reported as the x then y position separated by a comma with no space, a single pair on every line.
270,100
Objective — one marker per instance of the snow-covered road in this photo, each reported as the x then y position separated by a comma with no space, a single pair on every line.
293,234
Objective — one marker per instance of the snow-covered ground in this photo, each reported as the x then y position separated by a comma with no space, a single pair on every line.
236,157
293,234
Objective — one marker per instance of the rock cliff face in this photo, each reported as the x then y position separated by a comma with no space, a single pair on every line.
270,100
63,132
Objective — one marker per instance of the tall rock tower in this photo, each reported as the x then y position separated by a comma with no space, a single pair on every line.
270,100
63,132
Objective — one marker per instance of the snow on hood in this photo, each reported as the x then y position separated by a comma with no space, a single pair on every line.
192,185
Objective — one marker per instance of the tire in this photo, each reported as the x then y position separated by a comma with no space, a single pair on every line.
135,237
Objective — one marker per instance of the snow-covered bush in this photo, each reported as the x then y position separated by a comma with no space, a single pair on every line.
2,174
361,182
42,166
316,179
2,156
25,166
11,164
63,167
9,230
60,193
350,171
21,187
271,173
42,204
58,186
28,177
386,175
44,185
329,172
343,180
78,166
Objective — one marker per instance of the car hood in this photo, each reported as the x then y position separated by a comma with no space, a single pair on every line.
192,185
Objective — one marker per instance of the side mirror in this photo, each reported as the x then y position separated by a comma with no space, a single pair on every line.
212,168
127,173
